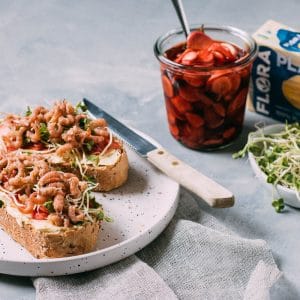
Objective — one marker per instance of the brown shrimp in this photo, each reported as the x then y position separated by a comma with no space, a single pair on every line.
97,139
97,123
66,221
27,208
60,185
3,163
74,136
38,114
56,219
69,175
80,117
75,214
58,202
66,121
101,132
49,191
17,182
74,187
37,198
52,176
55,129
15,140
83,185
64,150
34,133
23,198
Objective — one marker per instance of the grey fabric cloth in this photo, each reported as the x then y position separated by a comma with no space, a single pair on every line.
194,258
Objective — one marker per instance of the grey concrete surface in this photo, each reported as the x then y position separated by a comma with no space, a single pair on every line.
103,50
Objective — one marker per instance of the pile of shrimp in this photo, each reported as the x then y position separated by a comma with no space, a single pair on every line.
65,126
31,182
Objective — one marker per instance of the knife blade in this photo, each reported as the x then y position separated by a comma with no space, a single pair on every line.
207,189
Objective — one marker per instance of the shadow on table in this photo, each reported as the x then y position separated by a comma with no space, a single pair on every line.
13,280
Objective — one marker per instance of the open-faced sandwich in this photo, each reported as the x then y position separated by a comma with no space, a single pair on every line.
71,140
50,161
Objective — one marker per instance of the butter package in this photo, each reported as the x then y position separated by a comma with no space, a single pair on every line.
275,81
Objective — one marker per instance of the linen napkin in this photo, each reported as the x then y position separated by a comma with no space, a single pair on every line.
194,258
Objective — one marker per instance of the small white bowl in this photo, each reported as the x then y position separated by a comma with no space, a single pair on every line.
289,195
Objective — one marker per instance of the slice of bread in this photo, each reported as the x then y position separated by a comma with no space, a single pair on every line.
67,140
57,242
110,173
109,176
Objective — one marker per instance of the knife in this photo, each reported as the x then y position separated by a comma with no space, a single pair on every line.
207,189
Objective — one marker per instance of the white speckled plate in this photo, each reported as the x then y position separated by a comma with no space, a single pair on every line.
141,209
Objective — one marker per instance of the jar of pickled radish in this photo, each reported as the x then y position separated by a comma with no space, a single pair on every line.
205,79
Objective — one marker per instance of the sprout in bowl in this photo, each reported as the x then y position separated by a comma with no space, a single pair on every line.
274,154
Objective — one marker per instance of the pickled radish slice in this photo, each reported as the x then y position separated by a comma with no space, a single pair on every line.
192,134
219,109
174,130
181,105
229,133
235,82
212,120
173,111
194,120
238,102
219,57
198,40
167,86
205,57
213,142
231,49
189,58
195,81
205,100
189,93
221,85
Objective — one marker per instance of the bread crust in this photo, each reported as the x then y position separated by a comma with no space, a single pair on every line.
110,177
65,242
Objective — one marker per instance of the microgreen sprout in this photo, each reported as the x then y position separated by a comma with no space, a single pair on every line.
28,111
278,204
278,156
44,132
81,106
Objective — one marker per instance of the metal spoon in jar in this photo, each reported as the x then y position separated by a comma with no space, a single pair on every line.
182,16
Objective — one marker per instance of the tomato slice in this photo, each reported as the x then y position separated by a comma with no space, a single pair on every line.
115,145
40,213
40,216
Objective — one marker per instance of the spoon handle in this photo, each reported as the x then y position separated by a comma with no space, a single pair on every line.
181,15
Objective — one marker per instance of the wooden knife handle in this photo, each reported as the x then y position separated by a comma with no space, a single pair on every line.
210,191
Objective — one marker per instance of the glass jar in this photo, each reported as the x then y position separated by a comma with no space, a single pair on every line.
206,104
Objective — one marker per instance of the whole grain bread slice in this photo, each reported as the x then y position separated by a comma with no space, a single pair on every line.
64,242
108,177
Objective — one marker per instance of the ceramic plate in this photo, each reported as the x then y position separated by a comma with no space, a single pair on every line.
287,194
141,209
